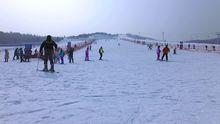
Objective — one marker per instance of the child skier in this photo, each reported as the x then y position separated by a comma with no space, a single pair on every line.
87,54
62,54
158,53
6,55
101,51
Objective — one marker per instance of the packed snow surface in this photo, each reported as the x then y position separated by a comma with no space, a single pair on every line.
128,87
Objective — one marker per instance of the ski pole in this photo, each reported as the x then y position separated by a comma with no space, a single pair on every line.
38,60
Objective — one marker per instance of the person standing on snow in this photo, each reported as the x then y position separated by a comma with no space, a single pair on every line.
70,55
6,55
21,53
62,54
166,50
56,56
87,54
101,51
16,54
174,51
48,45
158,53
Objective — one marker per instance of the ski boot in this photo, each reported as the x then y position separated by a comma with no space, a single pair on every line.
52,68
45,68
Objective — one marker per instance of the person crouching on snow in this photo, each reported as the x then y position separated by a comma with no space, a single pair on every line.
101,51
62,54
158,53
87,54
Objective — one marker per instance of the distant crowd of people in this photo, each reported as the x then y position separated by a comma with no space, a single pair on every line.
21,54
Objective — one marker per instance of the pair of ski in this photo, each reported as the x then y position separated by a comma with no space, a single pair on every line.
48,71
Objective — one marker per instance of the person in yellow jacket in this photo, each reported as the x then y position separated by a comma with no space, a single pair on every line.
101,51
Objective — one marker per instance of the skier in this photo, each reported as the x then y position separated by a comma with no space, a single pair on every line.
158,53
21,53
28,53
206,48
174,51
101,51
70,54
166,50
6,55
62,54
56,56
213,47
188,46
36,53
48,45
16,54
87,54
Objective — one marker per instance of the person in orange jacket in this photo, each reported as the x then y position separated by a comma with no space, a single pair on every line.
166,51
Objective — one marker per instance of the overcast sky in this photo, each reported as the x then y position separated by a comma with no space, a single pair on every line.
179,19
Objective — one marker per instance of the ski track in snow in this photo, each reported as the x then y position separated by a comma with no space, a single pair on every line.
128,87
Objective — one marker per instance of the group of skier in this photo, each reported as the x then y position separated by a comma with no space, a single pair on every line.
165,51
50,52
19,53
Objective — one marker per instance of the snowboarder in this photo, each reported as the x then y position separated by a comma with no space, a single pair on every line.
21,53
62,54
101,51
6,55
48,45
70,55
166,50
158,53
87,54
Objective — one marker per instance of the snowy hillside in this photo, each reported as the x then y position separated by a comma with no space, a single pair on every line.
128,87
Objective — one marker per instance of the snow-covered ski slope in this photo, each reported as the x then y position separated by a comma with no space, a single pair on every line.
128,87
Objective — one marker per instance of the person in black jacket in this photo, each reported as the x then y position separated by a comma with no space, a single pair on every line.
70,55
48,45
21,53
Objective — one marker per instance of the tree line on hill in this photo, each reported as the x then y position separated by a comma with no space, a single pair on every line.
13,38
